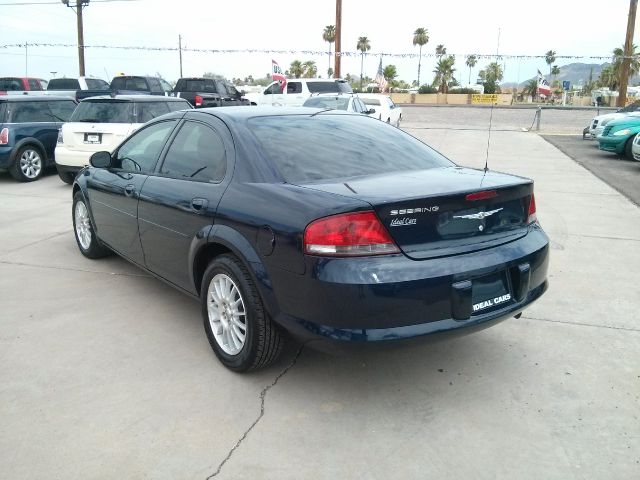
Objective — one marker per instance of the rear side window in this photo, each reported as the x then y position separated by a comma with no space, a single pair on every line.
63,84
294,87
359,146
96,84
222,89
329,87
154,85
11,84
196,153
62,110
150,110
26,112
103,112
371,101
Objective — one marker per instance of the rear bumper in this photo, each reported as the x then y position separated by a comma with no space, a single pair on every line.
387,298
71,158
612,143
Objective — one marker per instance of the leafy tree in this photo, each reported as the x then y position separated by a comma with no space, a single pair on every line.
555,71
390,73
550,57
329,36
427,89
441,50
309,69
471,62
215,76
444,73
420,38
364,46
296,69
329,72
491,76
616,64
531,88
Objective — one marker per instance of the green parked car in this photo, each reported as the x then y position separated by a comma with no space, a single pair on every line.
618,135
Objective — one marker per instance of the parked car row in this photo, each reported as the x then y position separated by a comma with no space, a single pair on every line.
618,132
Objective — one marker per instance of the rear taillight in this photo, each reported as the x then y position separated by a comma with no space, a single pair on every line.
481,195
198,101
348,234
2,92
4,136
531,214
60,140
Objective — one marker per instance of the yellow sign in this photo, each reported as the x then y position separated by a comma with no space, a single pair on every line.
485,98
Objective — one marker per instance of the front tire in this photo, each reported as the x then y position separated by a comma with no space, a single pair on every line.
83,230
28,165
628,154
67,177
239,329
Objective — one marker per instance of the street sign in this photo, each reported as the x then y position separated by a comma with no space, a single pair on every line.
566,85
484,98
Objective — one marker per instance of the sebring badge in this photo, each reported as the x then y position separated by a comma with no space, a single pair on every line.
409,211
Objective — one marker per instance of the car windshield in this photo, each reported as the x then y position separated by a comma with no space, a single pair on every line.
103,112
333,103
327,147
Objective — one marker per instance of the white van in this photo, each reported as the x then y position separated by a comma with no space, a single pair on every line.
297,91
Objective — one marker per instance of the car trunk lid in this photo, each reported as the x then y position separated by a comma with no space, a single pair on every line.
444,211
91,137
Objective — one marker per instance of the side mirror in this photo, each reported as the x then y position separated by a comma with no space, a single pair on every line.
371,111
100,160
242,93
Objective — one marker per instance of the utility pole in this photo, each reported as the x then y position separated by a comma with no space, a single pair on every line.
180,50
26,59
628,51
338,49
80,5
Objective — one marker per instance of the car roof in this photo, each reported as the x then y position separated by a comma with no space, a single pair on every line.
246,112
34,98
135,98
333,94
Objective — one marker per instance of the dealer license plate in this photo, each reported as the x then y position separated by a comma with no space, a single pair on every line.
490,292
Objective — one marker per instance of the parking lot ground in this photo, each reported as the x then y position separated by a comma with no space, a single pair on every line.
620,173
105,372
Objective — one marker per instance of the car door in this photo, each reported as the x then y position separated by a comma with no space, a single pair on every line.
178,204
294,96
273,95
114,192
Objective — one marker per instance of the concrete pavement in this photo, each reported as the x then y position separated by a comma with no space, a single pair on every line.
106,372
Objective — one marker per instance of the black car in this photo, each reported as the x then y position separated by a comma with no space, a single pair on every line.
28,131
331,226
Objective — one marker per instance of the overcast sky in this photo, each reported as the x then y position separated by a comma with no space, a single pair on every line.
585,28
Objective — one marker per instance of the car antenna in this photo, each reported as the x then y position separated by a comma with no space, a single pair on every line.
486,159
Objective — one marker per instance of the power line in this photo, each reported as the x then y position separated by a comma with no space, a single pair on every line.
20,4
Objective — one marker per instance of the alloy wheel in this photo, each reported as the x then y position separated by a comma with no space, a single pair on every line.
227,314
30,164
83,225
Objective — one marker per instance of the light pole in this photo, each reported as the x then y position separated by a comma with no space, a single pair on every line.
80,5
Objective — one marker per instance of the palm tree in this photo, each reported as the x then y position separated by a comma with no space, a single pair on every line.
296,69
364,46
329,36
550,57
420,37
310,69
471,62
491,75
444,73
441,50
389,73
555,71
531,88
616,64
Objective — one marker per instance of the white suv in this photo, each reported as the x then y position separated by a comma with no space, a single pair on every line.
297,91
102,123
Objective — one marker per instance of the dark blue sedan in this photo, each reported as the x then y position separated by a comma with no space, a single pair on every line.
29,128
328,226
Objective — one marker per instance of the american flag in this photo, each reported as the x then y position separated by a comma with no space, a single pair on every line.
543,85
380,80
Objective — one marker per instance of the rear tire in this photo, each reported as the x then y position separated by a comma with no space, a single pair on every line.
238,328
28,165
83,230
66,177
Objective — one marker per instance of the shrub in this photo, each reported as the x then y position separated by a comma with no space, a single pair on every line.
463,90
427,89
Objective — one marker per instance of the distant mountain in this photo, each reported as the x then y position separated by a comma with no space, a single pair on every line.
575,73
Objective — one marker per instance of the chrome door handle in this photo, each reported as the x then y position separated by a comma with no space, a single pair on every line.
129,190
199,204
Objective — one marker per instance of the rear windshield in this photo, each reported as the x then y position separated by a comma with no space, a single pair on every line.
103,112
334,103
326,147
39,111
11,84
96,84
130,83
329,87
63,84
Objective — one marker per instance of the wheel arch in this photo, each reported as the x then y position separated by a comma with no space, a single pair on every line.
24,142
224,239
